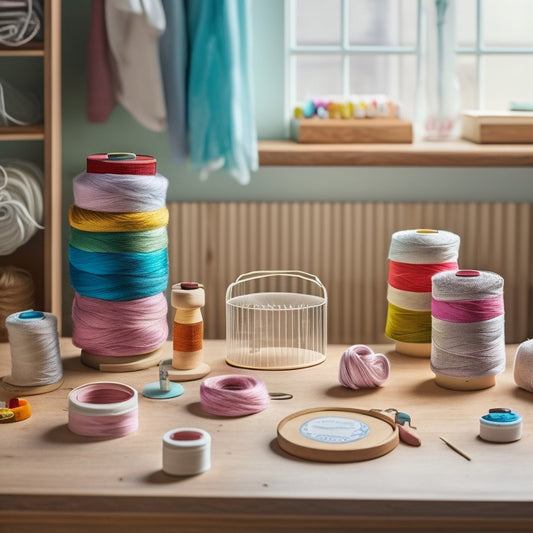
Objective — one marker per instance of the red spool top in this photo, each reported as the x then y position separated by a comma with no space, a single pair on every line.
121,163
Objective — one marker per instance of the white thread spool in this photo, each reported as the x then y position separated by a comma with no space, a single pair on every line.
523,365
467,355
35,353
419,247
504,427
186,451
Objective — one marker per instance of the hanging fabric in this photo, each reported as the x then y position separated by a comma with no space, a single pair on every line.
100,92
221,122
133,29
174,53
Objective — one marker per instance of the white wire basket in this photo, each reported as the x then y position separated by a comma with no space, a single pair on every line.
276,320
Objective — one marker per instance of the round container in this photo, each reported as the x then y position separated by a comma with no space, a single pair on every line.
500,426
103,409
186,451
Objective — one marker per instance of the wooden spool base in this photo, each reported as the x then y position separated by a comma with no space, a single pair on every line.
130,363
448,382
175,374
414,349
19,390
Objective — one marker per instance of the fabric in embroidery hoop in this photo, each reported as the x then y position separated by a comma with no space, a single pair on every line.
337,434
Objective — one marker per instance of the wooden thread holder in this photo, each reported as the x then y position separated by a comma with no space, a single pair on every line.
187,341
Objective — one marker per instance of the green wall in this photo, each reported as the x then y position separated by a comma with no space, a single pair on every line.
122,132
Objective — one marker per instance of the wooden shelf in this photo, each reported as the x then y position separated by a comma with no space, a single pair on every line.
41,255
29,49
423,154
22,133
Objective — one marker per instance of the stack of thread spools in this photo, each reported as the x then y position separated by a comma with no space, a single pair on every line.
414,257
118,261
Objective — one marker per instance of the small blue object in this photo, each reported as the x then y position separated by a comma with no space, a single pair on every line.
501,417
153,390
31,315
308,109
500,425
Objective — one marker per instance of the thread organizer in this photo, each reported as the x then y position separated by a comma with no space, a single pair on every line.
276,320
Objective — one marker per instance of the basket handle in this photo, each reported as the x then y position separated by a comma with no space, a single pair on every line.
259,274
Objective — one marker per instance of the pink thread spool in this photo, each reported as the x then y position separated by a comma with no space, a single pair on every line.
103,409
233,395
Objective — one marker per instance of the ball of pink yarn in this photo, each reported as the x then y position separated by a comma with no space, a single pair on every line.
233,395
361,368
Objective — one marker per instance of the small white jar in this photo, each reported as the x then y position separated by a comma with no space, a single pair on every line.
186,451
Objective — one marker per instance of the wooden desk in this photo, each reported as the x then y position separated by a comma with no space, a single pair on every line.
53,480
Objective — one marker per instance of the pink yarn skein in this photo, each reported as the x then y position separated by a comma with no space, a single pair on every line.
361,368
233,395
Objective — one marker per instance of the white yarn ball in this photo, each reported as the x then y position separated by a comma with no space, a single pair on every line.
523,365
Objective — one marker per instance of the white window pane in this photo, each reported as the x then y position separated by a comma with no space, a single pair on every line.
391,75
466,74
383,22
466,11
318,22
507,78
507,23
318,75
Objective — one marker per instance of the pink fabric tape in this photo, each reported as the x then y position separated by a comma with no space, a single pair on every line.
467,311
103,409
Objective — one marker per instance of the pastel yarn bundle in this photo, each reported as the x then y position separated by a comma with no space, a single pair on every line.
21,203
523,365
16,294
234,395
468,333
361,368
118,256
414,257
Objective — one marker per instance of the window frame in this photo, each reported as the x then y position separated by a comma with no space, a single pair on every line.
479,51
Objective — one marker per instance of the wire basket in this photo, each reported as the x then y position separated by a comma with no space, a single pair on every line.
276,320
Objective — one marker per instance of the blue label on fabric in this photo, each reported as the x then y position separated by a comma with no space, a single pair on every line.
334,429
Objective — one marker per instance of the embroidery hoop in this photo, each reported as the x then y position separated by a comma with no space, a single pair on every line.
378,434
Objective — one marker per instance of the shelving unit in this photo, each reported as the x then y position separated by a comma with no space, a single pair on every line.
41,256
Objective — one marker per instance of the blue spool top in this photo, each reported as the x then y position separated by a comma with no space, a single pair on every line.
31,315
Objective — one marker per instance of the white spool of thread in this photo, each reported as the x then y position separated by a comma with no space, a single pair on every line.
468,329
35,350
186,451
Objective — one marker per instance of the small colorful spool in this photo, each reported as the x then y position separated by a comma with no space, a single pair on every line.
500,425
186,451
187,343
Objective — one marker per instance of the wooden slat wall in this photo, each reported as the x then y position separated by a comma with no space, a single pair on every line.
345,244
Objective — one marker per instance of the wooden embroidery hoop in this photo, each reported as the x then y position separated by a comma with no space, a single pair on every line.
383,436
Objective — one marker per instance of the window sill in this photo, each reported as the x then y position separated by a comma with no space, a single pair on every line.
420,154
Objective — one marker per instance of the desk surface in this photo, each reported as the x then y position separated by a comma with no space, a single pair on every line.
54,478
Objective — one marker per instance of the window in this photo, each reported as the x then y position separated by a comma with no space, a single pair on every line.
345,47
